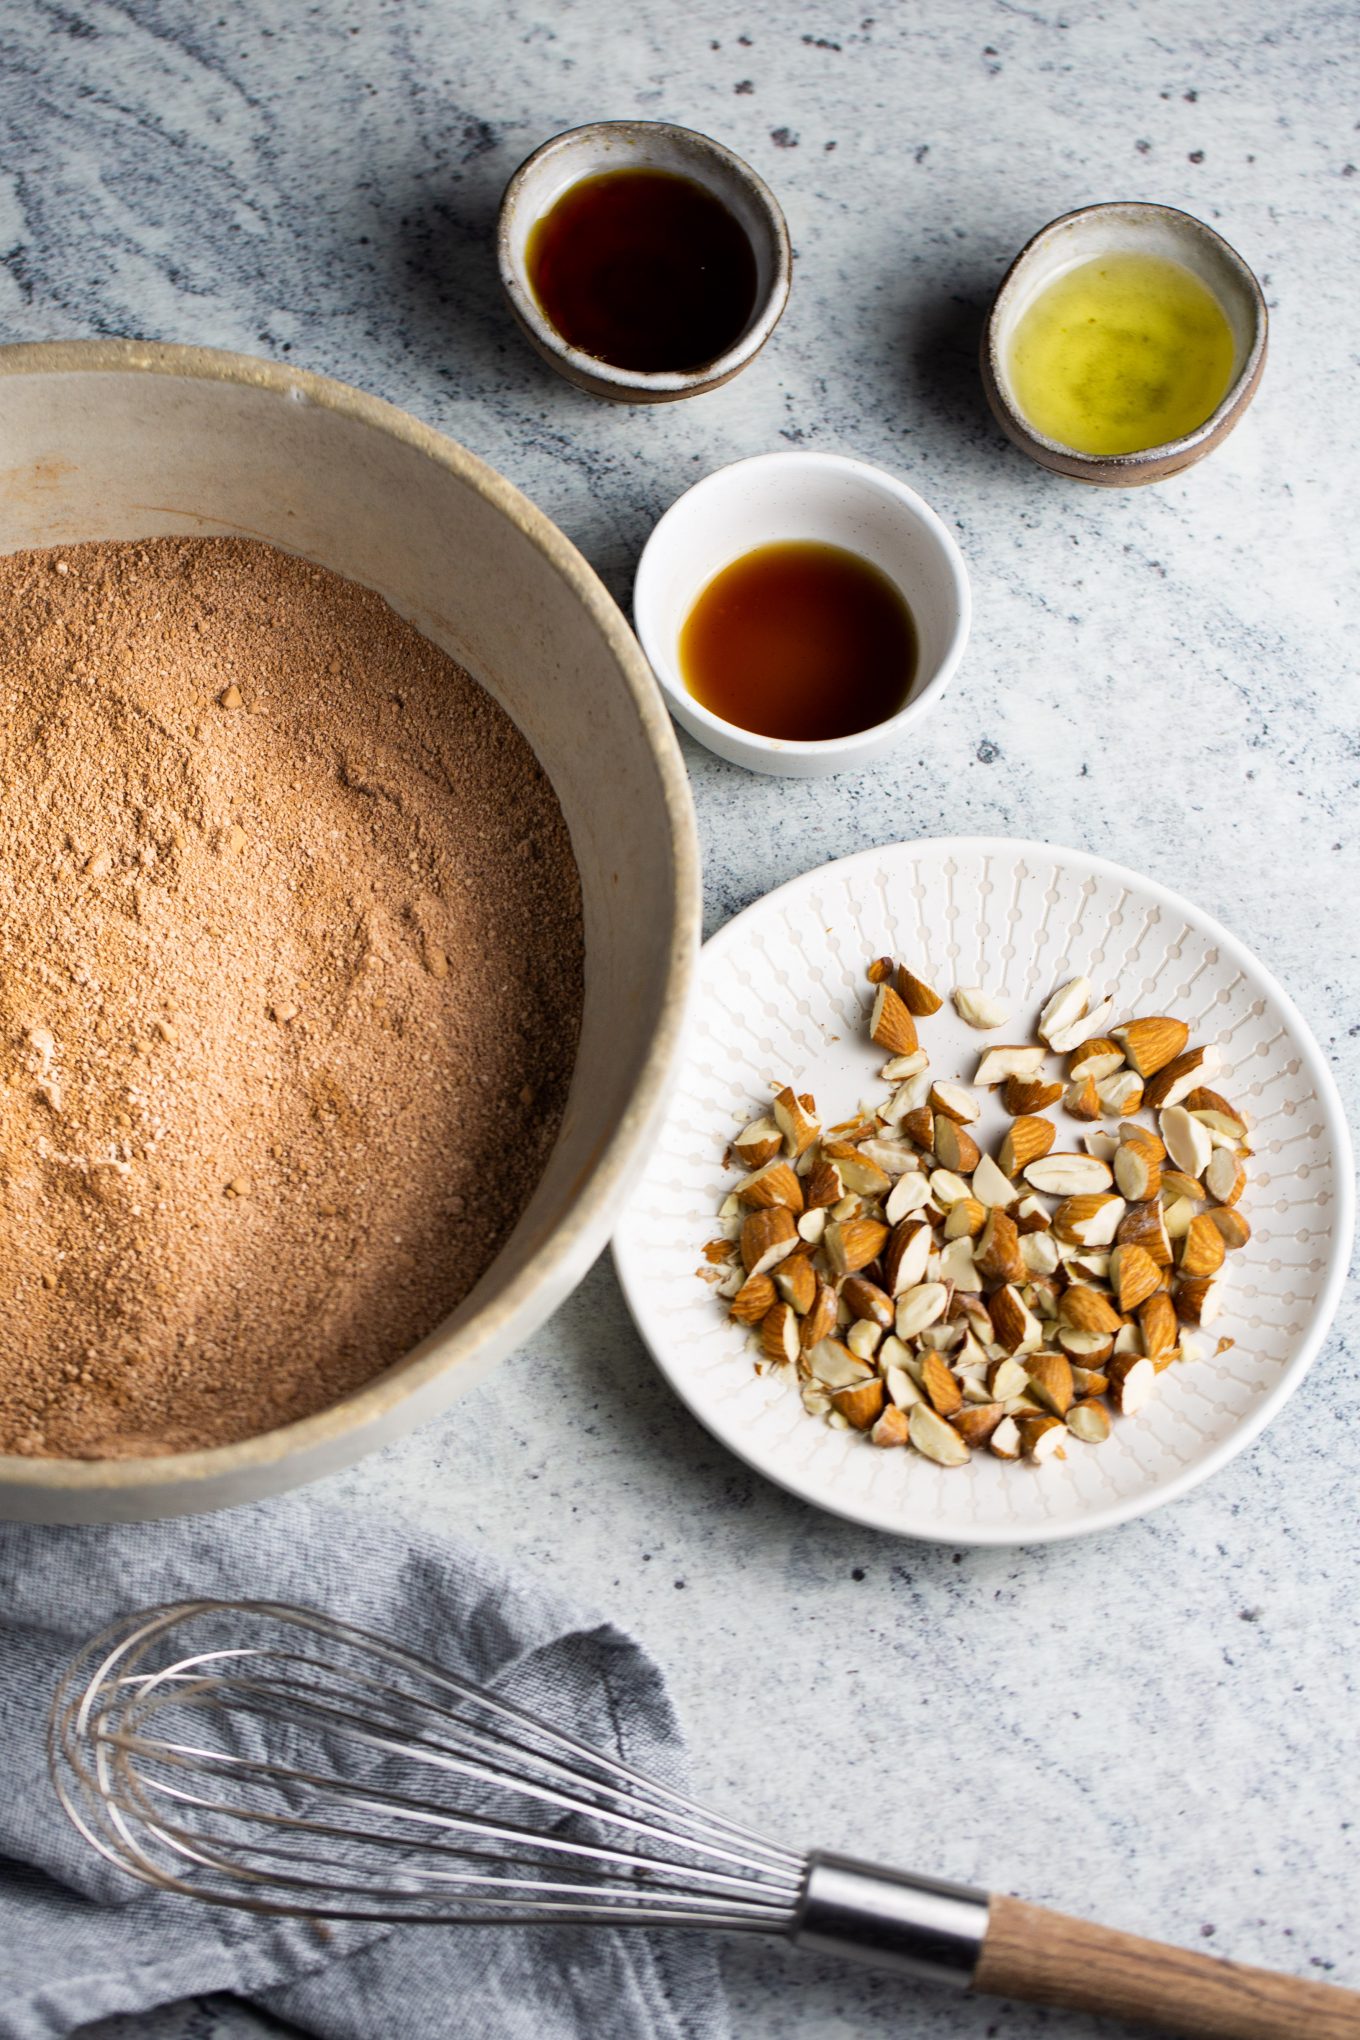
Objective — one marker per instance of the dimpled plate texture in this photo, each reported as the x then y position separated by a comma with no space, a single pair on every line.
782,995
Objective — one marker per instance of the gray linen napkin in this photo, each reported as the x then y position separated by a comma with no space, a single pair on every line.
79,1941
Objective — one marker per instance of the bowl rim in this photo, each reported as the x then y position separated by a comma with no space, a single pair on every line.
699,719
1234,398
615,1160
672,381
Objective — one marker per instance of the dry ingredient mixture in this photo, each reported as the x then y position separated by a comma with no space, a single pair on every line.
290,988
930,1294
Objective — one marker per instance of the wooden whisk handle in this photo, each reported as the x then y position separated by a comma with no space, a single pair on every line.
1046,1958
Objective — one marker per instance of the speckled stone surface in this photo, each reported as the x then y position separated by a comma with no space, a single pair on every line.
1157,1727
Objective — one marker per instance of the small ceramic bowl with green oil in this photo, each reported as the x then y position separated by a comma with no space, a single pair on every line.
1125,343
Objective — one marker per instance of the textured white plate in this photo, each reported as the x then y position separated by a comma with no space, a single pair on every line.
782,995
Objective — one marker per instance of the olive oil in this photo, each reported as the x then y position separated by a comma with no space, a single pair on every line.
1121,353
643,269
800,640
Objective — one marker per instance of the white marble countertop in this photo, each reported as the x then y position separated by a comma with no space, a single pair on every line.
1156,1727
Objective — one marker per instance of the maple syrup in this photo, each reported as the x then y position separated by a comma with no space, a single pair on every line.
643,269
802,641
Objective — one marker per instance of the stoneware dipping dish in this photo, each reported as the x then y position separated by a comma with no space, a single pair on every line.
831,499
120,440
642,145
1126,226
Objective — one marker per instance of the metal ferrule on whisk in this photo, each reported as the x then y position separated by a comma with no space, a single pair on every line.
915,1926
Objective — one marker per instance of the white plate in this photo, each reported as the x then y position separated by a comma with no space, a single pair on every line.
782,994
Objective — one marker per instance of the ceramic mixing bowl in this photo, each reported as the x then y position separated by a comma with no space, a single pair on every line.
119,440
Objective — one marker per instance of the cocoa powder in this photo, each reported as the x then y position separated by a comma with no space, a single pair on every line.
290,989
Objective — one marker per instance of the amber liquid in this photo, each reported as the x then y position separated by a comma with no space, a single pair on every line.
644,270
802,641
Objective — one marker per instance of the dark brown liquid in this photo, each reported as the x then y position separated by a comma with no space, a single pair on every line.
801,641
643,270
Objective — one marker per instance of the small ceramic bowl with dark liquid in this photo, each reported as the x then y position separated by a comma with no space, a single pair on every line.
644,261
802,611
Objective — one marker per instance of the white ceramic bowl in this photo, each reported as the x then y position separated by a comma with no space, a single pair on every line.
782,993
114,439
642,145
825,497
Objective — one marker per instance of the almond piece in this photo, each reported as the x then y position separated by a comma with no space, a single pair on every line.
1089,1421
1177,1187
1089,1348
1041,1437
1082,1099
980,1009
767,1236
902,1390
975,1422
1050,1381
956,1102
939,1385
863,1337
997,1253
934,1438
1039,1252
775,1183
990,1186
965,1219
1188,1140
1089,1381
1137,1171
1152,1043
890,1428
1006,1379
905,1256
757,1144
915,994
752,1300
1181,1076
1017,1329
1121,1095
779,1340
1088,1310
1065,1008
893,1157
1031,1216
947,1188
908,1194
795,1122
822,1185
1198,1299
1004,1442
1176,1217
955,1146
919,1125
916,1308
1157,1322
1134,1275
1068,1175
796,1281
861,1405
1090,1024
1202,1249
1218,1115
902,1068
1028,1139
866,1300
812,1225
1224,1177
819,1320
1097,1058
1133,1382
1144,1137
1088,1221
1009,1059
1230,1222
1029,1094
836,1366
890,1023
881,971
856,1170
852,1243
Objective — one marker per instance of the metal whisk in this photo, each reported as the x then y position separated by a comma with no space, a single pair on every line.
267,1757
